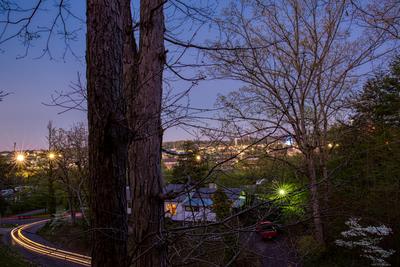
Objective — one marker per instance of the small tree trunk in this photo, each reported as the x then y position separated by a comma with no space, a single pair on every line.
107,133
319,233
71,207
51,198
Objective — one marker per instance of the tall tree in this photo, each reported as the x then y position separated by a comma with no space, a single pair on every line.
143,76
379,102
107,132
221,204
70,158
297,60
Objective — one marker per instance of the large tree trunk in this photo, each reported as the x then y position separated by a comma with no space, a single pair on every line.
319,233
147,219
107,132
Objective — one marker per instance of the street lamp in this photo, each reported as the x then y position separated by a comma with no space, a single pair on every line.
20,158
282,192
51,156
52,201
198,157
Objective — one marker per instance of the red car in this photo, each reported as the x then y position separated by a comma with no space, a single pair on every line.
267,229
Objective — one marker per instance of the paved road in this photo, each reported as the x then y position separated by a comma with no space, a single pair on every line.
31,234
275,252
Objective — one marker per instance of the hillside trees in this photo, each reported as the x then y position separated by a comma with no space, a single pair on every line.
221,204
379,102
70,150
191,167
368,157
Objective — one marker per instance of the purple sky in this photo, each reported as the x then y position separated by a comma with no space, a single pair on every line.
23,117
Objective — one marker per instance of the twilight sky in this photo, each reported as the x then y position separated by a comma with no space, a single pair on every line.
32,81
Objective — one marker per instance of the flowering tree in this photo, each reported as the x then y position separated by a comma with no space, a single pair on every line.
367,239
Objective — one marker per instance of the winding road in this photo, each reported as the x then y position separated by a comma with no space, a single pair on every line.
274,253
35,248
20,235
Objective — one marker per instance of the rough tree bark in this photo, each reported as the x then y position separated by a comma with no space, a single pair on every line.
315,203
144,116
107,133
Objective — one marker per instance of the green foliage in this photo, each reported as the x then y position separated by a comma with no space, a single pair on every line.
366,164
290,200
167,174
278,169
236,178
26,201
10,258
3,206
379,103
191,166
265,168
72,237
7,173
221,204
309,248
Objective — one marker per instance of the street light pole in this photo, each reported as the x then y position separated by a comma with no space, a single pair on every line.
51,198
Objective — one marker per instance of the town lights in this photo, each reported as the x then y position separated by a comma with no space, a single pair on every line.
330,145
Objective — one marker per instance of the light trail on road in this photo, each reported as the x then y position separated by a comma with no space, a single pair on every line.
18,236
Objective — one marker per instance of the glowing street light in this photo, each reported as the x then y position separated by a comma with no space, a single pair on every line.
51,156
198,157
20,158
282,192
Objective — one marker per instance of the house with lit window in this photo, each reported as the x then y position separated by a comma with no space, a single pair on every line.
196,204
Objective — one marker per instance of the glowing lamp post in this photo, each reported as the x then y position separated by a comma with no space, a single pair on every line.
52,200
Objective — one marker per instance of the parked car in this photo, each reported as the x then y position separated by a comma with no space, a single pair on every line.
267,229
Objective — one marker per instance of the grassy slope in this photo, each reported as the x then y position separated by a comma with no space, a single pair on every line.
10,258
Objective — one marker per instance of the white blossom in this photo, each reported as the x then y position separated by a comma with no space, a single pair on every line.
366,239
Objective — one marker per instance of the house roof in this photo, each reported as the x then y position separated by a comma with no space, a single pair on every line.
176,188
202,197
205,192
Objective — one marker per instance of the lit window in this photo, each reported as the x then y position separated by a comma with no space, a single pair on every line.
171,208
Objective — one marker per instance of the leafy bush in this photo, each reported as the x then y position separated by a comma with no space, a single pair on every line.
309,249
